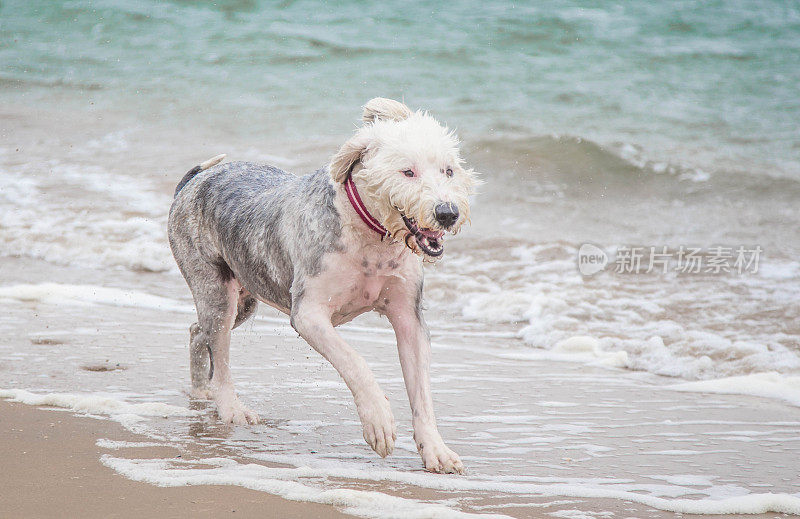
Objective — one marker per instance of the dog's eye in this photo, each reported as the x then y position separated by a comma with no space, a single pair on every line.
448,172
408,172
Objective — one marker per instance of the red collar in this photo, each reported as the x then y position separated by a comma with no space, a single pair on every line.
358,205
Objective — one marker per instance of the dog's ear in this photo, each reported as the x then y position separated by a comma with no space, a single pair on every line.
377,109
348,155
381,108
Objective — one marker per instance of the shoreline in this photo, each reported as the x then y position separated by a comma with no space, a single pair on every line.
576,439
52,468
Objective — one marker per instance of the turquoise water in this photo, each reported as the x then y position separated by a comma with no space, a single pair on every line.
709,85
634,124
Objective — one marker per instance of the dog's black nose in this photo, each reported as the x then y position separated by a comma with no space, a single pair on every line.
446,214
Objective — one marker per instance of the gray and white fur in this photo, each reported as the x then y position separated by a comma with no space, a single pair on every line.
243,232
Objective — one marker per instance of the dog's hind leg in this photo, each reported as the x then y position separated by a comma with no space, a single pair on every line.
199,363
216,296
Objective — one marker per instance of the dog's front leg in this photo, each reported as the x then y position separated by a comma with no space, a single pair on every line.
313,323
414,347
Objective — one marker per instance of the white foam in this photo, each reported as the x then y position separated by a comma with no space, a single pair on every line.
589,347
72,216
283,482
105,443
582,349
56,293
652,323
767,385
579,514
497,306
687,480
96,404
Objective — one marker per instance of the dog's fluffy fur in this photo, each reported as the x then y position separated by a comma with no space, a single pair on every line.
243,233
396,139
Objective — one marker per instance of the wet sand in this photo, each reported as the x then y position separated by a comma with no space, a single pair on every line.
51,468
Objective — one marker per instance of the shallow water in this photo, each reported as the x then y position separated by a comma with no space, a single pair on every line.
537,433
643,125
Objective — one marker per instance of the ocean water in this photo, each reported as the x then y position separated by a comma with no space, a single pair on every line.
619,125
637,125
691,85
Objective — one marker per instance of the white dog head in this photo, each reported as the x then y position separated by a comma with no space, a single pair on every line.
409,172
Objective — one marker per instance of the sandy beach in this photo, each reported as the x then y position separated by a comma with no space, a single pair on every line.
52,469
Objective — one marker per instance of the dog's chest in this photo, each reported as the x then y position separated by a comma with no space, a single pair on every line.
364,285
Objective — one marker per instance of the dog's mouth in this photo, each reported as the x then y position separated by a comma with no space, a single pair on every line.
429,241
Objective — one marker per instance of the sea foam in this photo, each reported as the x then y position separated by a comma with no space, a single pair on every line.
767,385
286,482
96,404
58,293
283,482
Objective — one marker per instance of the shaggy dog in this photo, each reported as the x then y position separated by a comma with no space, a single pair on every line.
325,248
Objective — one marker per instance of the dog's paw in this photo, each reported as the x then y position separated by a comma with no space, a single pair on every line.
237,414
437,457
379,430
201,393
230,410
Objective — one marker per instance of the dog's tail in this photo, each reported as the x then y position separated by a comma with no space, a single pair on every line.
197,169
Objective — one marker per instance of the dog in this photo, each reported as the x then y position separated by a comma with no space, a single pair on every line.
324,248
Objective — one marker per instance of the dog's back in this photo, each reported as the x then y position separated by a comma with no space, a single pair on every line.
255,222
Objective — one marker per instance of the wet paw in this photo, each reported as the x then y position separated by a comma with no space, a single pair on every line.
437,457
378,426
230,410
201,393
